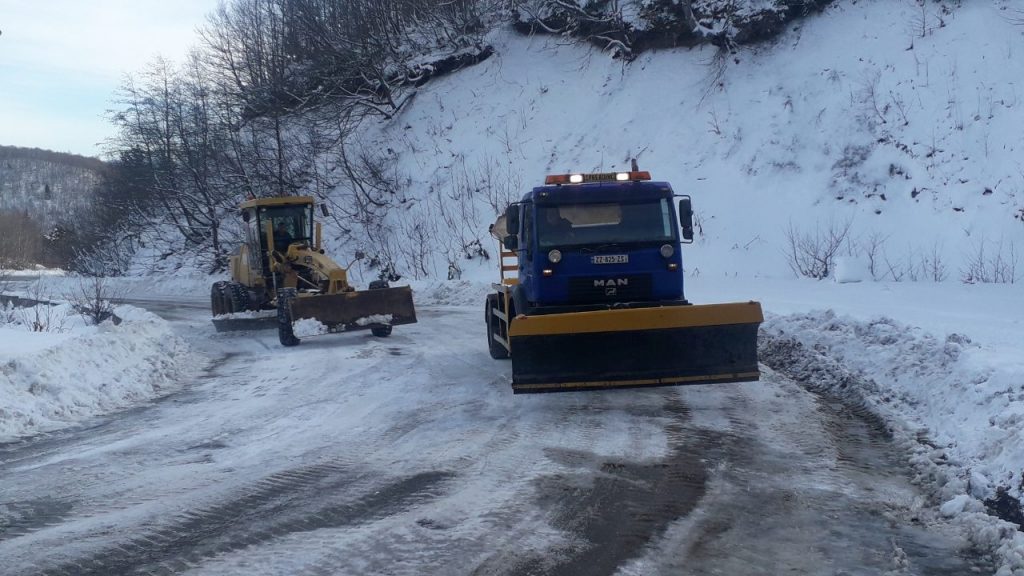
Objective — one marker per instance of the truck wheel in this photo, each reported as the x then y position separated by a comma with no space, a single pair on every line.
284,317
217,306
380,331
498,352
238,296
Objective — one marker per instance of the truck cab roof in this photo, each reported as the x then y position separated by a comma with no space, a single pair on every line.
598,192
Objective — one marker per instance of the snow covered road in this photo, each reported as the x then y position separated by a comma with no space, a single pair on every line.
409,455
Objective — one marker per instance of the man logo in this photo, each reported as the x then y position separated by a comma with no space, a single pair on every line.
611,291
611,282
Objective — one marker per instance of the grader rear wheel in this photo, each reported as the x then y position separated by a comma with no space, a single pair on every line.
238,297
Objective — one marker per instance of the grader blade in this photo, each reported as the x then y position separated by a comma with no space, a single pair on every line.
245,322
625,348
358,310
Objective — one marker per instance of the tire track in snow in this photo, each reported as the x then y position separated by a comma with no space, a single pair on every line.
300,500
615,506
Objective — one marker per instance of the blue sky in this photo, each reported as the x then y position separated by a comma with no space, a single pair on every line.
61,62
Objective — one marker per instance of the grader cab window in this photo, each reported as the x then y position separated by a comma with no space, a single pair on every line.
290,224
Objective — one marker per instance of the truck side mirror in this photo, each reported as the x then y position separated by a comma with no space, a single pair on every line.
324,210
512,219
686,218
246,216
511,242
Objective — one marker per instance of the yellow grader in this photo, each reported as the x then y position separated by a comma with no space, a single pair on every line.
282,266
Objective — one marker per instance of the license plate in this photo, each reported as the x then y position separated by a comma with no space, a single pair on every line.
612,259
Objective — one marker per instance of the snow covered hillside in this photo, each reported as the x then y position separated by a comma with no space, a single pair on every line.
896,118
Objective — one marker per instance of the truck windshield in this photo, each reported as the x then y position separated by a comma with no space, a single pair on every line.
618,223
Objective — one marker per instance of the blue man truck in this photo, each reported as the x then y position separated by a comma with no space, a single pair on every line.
591,291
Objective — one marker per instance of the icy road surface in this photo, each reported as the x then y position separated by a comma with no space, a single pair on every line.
409,455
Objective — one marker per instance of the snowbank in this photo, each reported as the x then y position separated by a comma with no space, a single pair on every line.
60,378
957,407
453,292
191,286
33,272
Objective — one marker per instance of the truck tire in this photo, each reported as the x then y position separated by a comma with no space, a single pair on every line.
380,331
498,352
238,296
285,333
217,304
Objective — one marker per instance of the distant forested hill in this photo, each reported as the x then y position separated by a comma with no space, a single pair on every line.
51,187
46,198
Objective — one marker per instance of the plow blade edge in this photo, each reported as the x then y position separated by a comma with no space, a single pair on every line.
355,310
266,321
661,346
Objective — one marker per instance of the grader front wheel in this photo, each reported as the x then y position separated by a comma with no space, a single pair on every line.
218,305
285,332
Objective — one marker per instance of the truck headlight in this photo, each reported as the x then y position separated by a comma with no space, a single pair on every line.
555,256
667,250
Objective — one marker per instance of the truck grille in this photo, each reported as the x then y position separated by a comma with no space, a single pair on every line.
610,288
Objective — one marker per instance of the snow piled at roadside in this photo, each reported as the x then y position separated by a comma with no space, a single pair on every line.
957,410
183,284
91,372
454,292
31,272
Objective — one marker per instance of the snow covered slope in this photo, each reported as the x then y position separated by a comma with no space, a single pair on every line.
900,119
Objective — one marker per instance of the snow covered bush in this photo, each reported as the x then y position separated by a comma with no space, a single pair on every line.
43,318
34,312
93,299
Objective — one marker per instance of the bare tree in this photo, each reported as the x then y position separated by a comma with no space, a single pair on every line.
873,248
93,298
991,266
932,265
266,107
812,254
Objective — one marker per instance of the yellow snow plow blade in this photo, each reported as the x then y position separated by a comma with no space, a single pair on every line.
358,309
632,347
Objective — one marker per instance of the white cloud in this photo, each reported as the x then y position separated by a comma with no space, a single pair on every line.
58,56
